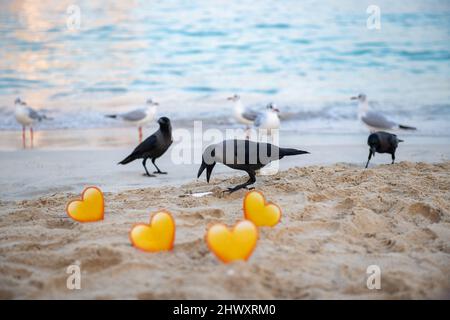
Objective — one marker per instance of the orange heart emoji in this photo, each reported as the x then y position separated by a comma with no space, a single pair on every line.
260,212
89,208
230,245
159,235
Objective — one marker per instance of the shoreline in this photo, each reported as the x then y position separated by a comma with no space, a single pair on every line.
68,161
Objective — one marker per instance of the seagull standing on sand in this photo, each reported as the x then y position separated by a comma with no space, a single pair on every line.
241,114
153,147
138,117
382,142
269,119
375,120
26,116
245,155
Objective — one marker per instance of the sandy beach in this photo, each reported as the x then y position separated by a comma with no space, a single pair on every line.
83,83
337,220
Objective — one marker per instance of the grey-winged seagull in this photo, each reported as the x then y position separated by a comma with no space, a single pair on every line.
242,114
269,119
138,117
375,120
26,116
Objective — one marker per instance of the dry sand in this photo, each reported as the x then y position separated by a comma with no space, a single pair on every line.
337,220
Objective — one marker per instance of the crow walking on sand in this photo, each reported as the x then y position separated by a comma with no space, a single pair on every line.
153,147
245,155
382,142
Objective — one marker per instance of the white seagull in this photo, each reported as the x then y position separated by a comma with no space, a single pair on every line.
138,117
269,119
241,114
375,121
26,116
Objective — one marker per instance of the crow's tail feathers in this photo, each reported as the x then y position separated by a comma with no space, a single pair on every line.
399,140
128,159
406,127
291,152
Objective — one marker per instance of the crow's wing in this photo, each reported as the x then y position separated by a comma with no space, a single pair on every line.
147,145
135,115
377,120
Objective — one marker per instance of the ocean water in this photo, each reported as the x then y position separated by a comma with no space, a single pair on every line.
309,57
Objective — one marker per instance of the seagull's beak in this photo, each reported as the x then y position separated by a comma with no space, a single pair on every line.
354,98
156,103
276,110
230,98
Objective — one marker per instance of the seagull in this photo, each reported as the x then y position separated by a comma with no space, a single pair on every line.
241,114
375,120
153,147
269,119
245,155
138,117
26,116
382,142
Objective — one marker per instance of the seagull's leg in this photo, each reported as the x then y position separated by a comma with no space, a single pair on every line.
23,137
140,134
250,181
393,158
146,171
247,132
370,156
31,136
159,171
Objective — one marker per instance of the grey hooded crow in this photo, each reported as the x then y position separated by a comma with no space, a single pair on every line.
245,155
153,147
382,142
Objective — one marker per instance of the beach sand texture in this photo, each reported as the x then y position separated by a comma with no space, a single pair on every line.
337,220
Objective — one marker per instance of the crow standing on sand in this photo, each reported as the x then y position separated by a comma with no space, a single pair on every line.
245,155
153,147
382,142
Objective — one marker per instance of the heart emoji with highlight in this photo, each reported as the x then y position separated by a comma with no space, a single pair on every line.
235,244
159,235
89,208
260,212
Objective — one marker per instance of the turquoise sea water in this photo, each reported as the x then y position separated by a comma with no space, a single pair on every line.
309,57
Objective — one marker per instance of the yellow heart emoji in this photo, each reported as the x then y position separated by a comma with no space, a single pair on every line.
230,245
159,235
89,208
260,212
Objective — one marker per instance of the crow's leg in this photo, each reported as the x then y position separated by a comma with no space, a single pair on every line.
146,171
250,181
159,171
393,158
370,156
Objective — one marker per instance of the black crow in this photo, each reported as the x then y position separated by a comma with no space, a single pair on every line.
245,155
382,142
153,147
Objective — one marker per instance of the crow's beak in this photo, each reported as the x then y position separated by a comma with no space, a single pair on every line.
354,98
209,168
